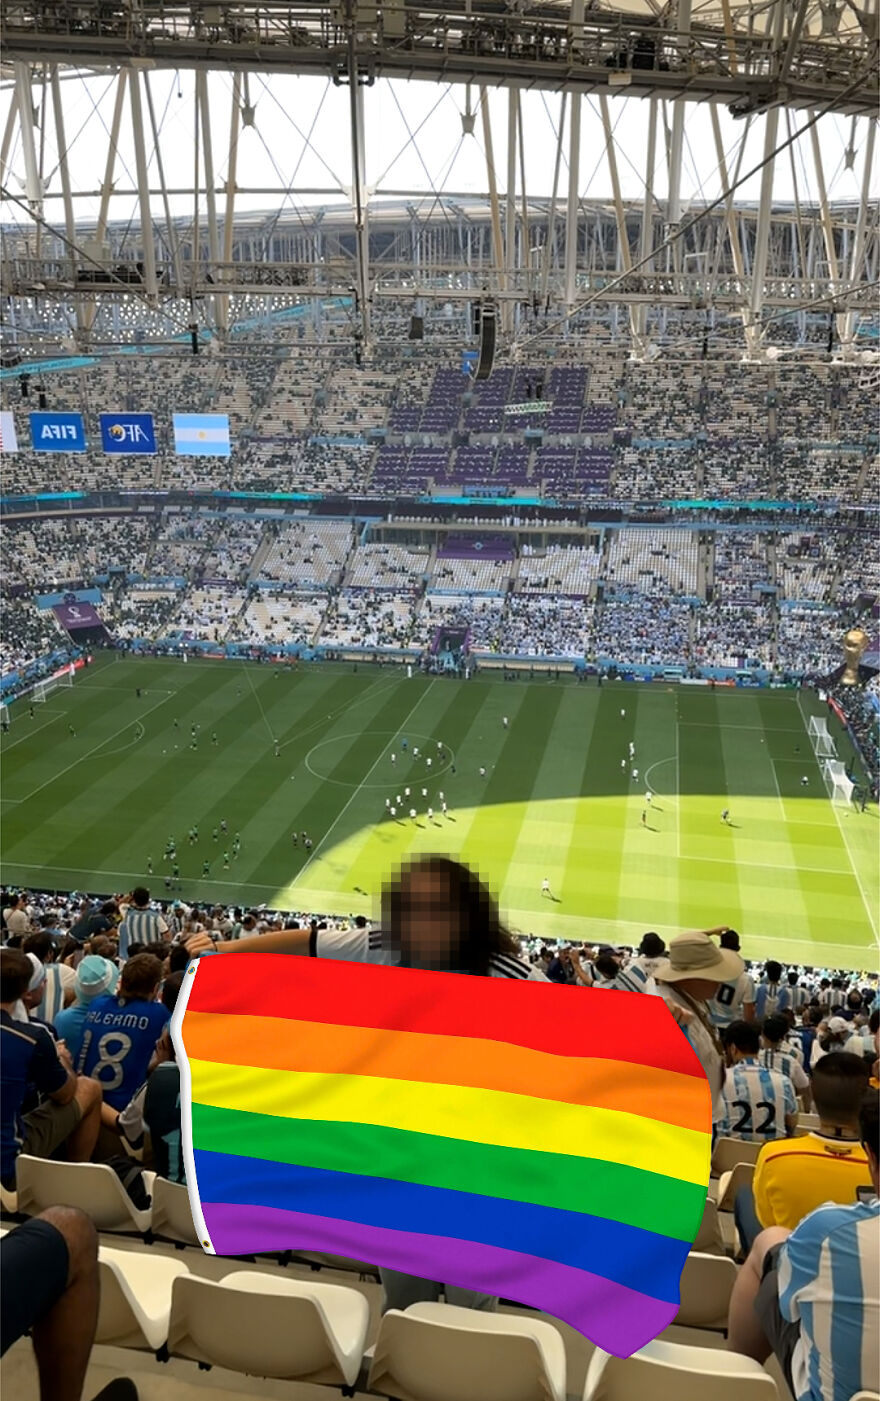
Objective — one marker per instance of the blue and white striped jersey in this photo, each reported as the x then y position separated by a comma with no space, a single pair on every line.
769,998
829,1282
140,927
796,998
785,1062
831,998
756,1102
727,1004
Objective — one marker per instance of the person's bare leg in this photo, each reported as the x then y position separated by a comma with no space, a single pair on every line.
81,1143
744,1332
63,1337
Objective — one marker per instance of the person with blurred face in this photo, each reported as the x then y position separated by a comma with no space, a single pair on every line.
436,915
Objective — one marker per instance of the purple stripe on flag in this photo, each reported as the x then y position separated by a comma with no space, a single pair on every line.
616,1319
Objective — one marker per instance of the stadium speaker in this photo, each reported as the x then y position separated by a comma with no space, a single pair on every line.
487,343
417,328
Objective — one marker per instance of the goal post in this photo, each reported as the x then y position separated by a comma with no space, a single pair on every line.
820,739
5,719
839,786
40,692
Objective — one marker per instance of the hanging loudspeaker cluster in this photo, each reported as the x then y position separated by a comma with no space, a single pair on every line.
487,343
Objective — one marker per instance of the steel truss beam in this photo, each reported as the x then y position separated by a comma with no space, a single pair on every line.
605,51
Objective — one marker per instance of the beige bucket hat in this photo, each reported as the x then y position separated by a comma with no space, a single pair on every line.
697,956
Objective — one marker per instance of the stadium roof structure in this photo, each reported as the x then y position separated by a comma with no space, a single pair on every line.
542,158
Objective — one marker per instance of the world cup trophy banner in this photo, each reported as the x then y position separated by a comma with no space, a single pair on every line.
854,644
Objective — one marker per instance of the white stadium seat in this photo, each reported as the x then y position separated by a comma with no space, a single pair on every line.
93,1187
135,1301
706,1285
171,1215
729,1183
675,1372
730,1151
435,1352
268,1326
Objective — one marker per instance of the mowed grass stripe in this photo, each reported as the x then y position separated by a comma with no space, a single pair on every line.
648,884
202,786
703,793
376,848
520,834
350,747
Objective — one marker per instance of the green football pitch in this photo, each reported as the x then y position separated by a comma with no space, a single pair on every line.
797,876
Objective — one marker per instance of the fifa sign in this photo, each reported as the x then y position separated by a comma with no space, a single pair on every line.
58,432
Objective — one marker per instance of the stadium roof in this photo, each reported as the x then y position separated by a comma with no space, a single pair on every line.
161,131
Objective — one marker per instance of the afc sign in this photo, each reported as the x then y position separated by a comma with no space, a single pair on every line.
130,433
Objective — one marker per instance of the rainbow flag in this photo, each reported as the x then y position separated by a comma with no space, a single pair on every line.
548,1144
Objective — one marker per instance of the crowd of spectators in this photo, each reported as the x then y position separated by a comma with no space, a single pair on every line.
771,1041
28,633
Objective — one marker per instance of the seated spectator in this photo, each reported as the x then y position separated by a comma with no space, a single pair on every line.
120,1033
58,982
94,920
733,1001
94,977
53,1260
16,917
687,980
436,914
139,923
651,950
132,1121
770,996
812,1295
161,1107
561,968
71,1110
831,1035
758,1103
861,1042
776,1057
794,1176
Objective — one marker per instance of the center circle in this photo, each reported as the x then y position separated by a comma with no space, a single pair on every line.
407,769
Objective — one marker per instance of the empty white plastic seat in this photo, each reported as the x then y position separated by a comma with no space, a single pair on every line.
433,1352
269,1326
135,1302
171,1215
709,1240
706,1285
730,1151
729,1183
664,1371
93,1187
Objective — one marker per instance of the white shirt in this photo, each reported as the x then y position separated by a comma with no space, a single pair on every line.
727,1004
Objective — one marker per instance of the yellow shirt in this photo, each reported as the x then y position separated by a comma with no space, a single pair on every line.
793,1176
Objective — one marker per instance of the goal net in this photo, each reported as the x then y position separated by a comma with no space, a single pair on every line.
43,689
820,739
840,788
4,717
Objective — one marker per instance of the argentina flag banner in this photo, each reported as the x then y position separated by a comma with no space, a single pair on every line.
202,435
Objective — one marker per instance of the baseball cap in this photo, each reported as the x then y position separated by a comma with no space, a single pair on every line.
838,1025
94,976
694,955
